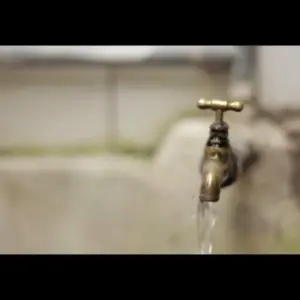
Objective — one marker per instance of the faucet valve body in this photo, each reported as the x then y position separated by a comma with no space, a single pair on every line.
219,163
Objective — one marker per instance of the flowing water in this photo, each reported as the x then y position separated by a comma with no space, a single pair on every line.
206,221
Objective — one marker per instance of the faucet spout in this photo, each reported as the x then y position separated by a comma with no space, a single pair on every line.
219,164
211,182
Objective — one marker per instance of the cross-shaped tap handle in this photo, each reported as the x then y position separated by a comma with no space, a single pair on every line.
220,106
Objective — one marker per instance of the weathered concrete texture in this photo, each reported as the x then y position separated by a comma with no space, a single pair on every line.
260,192
267,211
80,205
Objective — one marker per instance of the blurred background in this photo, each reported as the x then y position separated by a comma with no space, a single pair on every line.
100,148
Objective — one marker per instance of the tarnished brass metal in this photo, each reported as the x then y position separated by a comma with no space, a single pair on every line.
219,163
222,105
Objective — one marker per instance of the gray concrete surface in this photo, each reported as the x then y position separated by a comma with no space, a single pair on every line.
81,205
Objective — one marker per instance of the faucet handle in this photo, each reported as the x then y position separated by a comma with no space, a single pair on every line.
222,105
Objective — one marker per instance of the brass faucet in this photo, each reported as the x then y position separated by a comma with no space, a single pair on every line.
219,164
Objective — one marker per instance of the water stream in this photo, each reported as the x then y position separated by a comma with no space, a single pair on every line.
206,221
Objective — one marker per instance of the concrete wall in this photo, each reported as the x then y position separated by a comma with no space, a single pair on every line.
61,106
278,77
